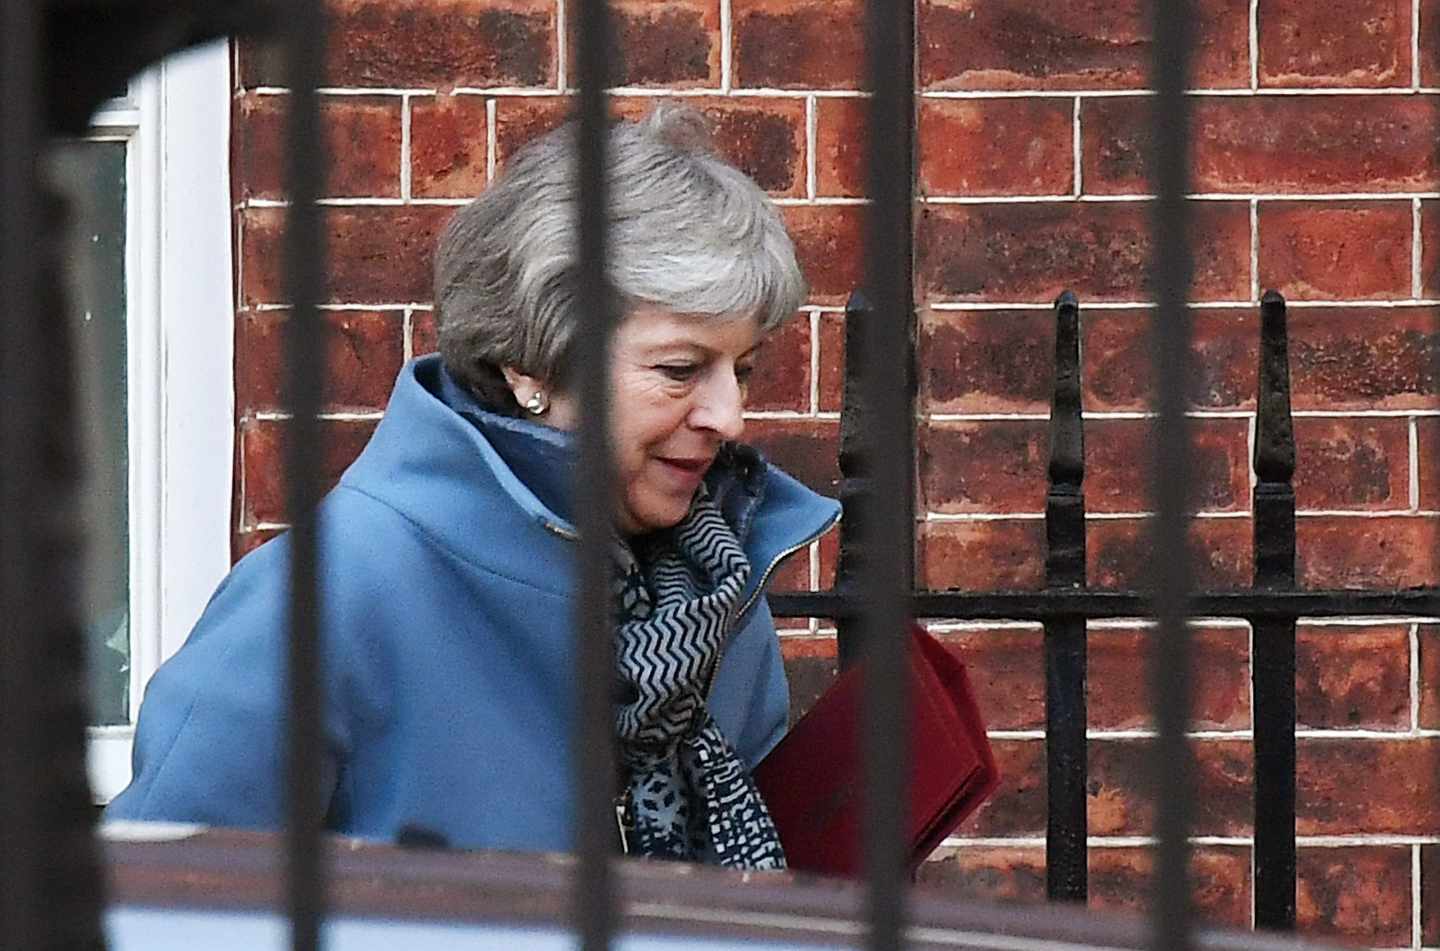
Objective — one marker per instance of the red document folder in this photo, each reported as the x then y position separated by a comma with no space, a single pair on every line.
814,780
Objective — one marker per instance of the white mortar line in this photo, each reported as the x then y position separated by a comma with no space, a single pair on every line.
561,47
1130,197
726,29
349,91
1138,841
1255,248
1415,45
1413,436
815,326
790,414
1238,93
407,327
801,93
814,554
962,305
548,92
822,201
1415,894
492,137
1077,187
273,416
405,148
811,137
1417,285
1254,43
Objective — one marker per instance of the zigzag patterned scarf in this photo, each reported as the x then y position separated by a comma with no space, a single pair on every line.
690,796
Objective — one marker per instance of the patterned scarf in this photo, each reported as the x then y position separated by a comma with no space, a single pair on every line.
690,796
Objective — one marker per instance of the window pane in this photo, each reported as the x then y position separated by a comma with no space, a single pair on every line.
92,174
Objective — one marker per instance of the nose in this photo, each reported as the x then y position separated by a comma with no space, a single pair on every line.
720,406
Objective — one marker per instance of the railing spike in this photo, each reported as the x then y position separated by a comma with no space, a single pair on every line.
1274,428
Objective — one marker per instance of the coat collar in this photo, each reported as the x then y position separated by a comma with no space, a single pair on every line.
444,461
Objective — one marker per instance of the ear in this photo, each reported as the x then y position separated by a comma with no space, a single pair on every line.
522,385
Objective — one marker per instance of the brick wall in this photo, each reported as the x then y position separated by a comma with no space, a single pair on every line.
1316,173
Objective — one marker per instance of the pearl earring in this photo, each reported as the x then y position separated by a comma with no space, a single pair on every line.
538,403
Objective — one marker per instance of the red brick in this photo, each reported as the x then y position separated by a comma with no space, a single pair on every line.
1089,44
840,144
1430,895
986,873
262,449
1007,669
1352,677
1122,879
1000,466
1031,252
1429,679
1119,696
793,574
814,44
1018,804
987,361
781,377
362,141
1010,553
832,362
363,356
1377,787
764,137
1359,358
376,254
1352,463
1289,144
996,147
828,243
1120,475
423,336
1121,553
982,555
674,44
1336,250
1352,43
428,43
448,151
519,119
829,550
811,664
1121,798
1359,893
1357,552
991,466
808,449
1119,364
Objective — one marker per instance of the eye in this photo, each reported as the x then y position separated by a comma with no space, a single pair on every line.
679,372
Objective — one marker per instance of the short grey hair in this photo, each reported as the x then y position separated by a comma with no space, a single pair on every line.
688,232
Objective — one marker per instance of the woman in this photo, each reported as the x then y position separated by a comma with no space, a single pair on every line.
448,552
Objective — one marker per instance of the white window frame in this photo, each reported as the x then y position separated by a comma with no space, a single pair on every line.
180,317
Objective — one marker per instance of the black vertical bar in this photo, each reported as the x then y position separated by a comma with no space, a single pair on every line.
305,363
594,495
22,909
855,476
1065,713
1273,662
889,520
1171,22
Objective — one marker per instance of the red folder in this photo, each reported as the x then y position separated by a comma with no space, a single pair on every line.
814,780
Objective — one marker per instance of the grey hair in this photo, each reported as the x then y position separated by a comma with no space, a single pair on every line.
688,232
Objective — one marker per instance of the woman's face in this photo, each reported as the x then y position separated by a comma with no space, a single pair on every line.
678,392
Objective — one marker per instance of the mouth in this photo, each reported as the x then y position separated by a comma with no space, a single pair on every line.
693,467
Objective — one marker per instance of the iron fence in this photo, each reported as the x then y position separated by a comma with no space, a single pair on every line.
49,886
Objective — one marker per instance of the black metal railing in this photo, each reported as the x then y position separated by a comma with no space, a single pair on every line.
49,889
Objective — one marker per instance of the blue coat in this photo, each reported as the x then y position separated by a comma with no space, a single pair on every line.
447,576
